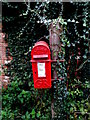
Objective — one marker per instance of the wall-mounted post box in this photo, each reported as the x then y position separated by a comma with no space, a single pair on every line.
41,65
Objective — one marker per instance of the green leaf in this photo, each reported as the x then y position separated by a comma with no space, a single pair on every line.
23,117
33,112
71,109
0,73
84,24
38,114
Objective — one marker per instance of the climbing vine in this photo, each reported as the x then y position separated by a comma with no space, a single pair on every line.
28,23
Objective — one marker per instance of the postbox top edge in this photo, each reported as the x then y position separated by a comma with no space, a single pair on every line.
40,43
43,43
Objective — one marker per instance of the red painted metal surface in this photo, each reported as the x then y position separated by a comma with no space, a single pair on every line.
41,65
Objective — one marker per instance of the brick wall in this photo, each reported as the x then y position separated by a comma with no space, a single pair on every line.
4,60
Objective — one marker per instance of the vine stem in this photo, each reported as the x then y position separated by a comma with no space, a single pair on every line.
81,66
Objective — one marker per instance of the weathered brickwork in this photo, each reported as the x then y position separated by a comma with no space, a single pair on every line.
4,60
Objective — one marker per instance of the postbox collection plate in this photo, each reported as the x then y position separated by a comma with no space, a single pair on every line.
41,70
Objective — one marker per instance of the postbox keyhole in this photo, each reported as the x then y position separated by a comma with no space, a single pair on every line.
35,72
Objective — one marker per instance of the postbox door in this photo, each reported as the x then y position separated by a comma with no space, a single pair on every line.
42,74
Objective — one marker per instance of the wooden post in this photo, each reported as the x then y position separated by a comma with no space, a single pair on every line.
55,46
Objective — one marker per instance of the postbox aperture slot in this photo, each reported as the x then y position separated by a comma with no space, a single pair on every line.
40,56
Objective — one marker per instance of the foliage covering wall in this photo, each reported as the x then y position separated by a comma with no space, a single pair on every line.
26,23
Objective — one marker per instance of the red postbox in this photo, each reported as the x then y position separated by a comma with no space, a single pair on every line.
41,65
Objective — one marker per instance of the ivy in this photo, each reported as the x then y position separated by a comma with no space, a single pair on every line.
26,25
